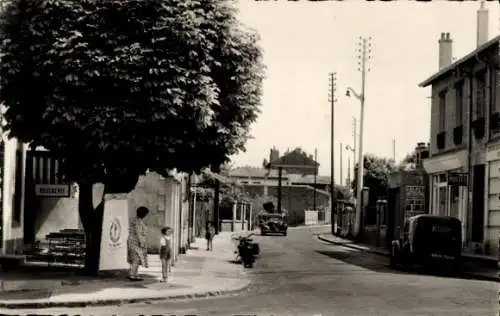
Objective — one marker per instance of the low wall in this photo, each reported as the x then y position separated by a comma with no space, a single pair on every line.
227,226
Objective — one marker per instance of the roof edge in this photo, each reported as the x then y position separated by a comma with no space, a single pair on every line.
460,61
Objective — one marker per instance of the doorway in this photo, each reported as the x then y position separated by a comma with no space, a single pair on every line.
478,203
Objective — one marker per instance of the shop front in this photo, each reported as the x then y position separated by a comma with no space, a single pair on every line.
13,155
448,186
492,211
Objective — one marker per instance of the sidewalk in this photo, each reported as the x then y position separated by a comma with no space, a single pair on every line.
471,268
199,273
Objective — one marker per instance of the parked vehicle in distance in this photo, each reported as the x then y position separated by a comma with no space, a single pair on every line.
428,241
273,223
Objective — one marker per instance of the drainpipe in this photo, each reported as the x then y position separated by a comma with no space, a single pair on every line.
469,158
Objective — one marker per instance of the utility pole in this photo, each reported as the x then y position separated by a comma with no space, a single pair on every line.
354,136
364,50
394,149
353,150
332,83
348,182
315,178
341,165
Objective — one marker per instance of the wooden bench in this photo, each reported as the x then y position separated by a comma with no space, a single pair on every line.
10,262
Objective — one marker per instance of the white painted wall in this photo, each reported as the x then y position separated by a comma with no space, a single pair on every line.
55,214
9,171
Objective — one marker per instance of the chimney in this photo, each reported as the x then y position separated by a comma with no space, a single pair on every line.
482,25
422,152
274,154
445,50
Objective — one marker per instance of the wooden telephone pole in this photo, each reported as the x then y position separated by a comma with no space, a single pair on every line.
332,84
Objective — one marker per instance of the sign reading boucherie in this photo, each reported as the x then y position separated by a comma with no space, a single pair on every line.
52,190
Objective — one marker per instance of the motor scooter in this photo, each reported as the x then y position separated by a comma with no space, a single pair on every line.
247,250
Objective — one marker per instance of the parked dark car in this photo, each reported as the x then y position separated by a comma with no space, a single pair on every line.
428,241
273,224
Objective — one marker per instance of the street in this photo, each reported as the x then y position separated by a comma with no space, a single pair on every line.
300,275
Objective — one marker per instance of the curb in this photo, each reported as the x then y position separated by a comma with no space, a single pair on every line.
377,252
309,226
105,302
473,275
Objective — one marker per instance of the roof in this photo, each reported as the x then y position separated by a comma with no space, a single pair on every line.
433,216
457,63
215,176
295,158
309,178
254,172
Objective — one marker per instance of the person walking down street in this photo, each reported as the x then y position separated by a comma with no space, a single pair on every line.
165,251
137,251
209,235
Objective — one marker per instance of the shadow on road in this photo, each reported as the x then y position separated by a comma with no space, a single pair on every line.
380,264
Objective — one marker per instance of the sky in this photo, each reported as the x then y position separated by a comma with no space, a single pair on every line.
304,41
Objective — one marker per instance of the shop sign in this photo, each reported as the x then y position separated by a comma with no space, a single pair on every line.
458,178
52,190
493,153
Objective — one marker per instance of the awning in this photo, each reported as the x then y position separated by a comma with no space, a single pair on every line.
445,162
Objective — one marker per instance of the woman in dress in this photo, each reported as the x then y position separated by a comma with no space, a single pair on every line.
137,250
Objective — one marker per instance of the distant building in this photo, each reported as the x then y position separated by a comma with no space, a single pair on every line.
297,182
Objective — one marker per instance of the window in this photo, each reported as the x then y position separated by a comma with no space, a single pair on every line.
442,178
459,103
480,94
454,200
443,198
442,111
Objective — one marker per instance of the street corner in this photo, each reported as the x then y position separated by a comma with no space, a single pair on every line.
140,292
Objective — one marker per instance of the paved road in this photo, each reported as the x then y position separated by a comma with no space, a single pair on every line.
299,275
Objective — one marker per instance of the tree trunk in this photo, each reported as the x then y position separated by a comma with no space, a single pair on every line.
92,224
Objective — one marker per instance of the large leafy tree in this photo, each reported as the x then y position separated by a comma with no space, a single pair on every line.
375,177
119,87
408,162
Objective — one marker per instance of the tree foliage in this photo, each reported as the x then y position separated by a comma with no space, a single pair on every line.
376,172
129,85
408,162
118,87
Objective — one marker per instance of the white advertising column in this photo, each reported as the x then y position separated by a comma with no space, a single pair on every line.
115,226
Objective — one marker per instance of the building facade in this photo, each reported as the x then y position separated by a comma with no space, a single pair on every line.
465,133
13,167
302,189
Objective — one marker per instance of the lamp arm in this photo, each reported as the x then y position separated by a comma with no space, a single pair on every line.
358,96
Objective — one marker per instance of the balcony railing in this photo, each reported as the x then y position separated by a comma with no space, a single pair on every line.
479,128
495,122
458,135
441,140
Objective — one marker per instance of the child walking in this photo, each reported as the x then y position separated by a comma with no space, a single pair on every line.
165,251
209,235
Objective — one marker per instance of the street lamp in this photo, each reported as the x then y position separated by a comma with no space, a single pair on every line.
351,149
364,54
359,182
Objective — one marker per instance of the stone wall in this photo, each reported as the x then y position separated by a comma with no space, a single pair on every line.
297,199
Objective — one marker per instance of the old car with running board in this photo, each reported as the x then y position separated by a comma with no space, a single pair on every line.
273,223
428,241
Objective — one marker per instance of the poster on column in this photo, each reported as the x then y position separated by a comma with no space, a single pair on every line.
114,235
